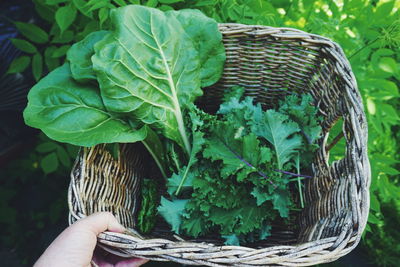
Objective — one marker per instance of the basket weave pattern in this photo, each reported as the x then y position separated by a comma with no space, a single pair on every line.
270,63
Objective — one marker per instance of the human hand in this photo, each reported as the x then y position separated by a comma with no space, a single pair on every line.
75,246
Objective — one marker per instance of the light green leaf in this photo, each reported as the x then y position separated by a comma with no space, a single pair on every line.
152,3
37,66
387,64
32,32
120,2
103,15
149,70
96,4
73,113
79,56
82,7
65,16
231,240
172,212
24,46
208,40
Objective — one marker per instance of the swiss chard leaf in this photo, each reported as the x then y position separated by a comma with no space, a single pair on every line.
74,113
79,57
149,69
208,41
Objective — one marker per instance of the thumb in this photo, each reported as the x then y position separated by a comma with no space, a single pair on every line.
100,222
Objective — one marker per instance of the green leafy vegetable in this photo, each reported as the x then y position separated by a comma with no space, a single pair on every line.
207,39
172,212
150,52
79,57
74,113
146,217
275,127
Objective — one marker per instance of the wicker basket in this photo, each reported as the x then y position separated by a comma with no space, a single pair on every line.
269,63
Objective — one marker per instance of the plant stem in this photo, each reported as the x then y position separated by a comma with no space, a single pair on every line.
362,48
299,181
156,159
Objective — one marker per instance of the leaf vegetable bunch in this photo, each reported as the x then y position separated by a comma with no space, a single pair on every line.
225,173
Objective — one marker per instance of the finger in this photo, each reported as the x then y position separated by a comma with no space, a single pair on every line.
100,222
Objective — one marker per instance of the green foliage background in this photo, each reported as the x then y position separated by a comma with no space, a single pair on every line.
367,30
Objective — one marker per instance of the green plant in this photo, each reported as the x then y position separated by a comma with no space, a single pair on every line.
367,30
246,154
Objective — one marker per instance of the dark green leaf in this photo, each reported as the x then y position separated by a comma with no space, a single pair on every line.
63,156
46,147
49,163
62,38
19,64
37,66
32,32
54,2
72,150
24,46
169,1
60,51
76,113
51,63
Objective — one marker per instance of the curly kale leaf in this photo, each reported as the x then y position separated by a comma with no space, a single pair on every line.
278,130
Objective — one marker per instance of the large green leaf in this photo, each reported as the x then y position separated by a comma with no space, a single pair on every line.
70,112
149,69
79,56
208,40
